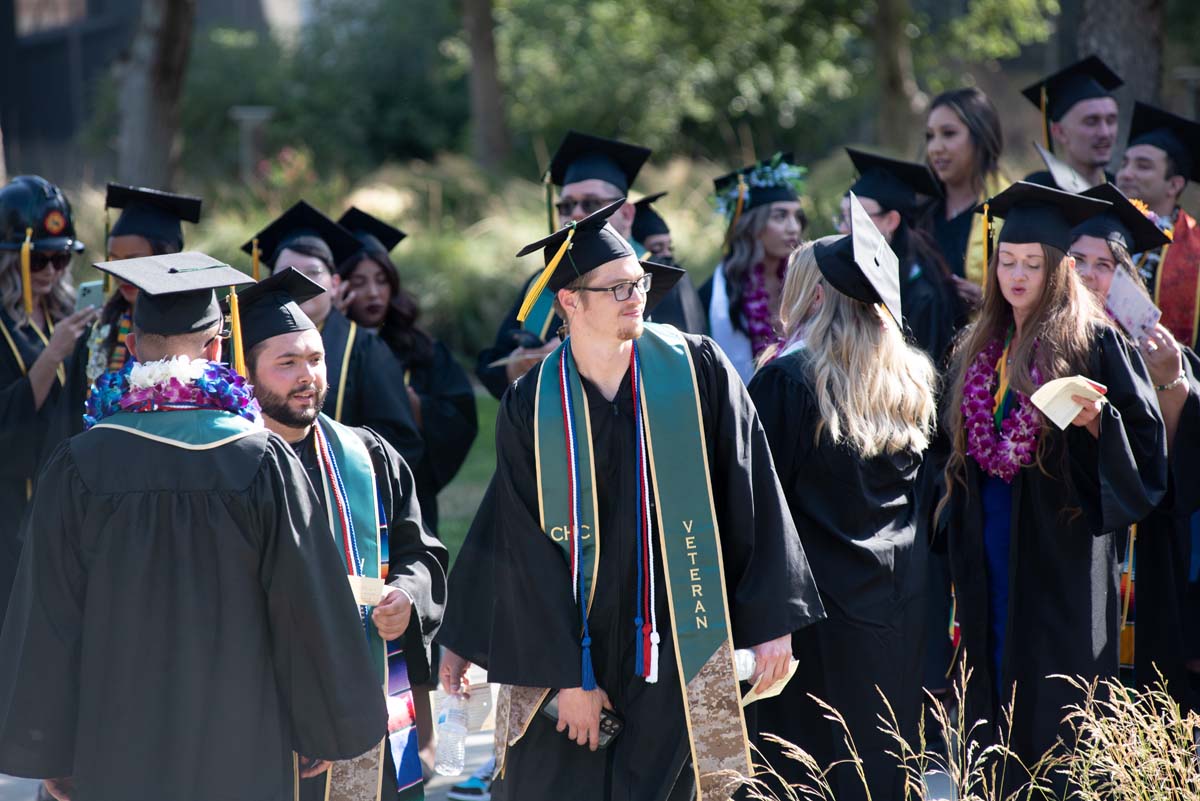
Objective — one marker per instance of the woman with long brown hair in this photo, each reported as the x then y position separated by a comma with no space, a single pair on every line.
963,143
765,223
848,408
1031,513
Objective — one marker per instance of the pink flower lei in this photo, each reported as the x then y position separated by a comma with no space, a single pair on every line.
999,453
756,307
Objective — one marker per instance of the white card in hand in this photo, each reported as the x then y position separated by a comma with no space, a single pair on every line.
1054,398
367,591
1130,306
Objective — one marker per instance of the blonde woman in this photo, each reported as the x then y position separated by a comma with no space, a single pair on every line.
37,332
848,408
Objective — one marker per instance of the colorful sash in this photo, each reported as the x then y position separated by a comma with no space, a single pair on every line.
541,315
688,537
1177,282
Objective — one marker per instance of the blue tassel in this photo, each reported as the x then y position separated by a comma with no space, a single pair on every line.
637,660
589,675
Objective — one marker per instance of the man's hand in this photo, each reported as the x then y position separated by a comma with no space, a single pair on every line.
310,767
452,671
62,789
968,292
579,714
525,358
771,662
392,615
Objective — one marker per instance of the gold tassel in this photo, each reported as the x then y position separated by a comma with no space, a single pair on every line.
987,243
27,273
737,212
543,279
1045,122
235,328
254,258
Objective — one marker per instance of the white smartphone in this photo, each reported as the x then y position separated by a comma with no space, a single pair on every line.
90,295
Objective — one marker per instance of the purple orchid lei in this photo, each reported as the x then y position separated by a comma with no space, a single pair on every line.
999,453
756,306
206,385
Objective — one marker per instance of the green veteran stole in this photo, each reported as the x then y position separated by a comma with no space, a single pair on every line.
667,410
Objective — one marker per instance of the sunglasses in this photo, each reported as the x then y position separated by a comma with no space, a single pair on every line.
55,261
589,205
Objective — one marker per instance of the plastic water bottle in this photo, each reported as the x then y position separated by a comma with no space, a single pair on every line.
452,737
743,660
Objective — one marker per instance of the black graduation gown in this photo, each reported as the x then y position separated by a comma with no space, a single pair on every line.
928,309
1163,559
177,633
22,431
857,524
448,424
417,564
1063,601
518,610
681,308
372,379
1044,178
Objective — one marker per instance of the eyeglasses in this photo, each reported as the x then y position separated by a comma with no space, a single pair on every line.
589,205
56,261
624,290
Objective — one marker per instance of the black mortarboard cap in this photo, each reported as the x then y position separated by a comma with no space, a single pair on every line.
1124,222
175,290
1084,80
1033,213
583,157
151,213
272,306
373,234
303,220
861,264
758,195
593,244
647,221
892,183
1176,136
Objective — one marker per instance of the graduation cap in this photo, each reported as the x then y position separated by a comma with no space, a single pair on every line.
580,247
1033,213
861,264
892,183
299,221
1176,136
646,221
769,181
151,213
1056,94
373,234
272,306
583,157
1125,222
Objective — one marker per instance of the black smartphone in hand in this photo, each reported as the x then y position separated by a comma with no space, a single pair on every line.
610,724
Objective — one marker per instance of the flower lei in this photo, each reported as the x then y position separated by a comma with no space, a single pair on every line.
999,453
776,173
170,384
756,307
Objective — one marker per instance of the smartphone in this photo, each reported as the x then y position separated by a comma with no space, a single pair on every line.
610,724
90,295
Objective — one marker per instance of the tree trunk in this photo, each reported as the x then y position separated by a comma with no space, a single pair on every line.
150,84
900,101
1128,35
489,128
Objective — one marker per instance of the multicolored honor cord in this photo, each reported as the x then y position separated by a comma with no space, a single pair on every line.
337,488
